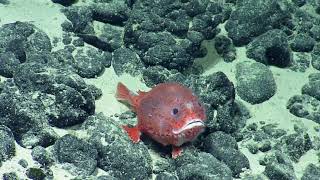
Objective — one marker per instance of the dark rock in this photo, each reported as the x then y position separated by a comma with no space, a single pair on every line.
90,64
106,177
151,39
302,43
300,63
195,7
109,38
315,32
7,146
157,74
228,118
252,126
112,12
70,48
22,39
23,163
111,35
272,131
215,89
207,23
71,106
253,148
78,42
254,177
215,143
252,18
81,155
224,148
126,60
194,165
168,56
107,59
314,77
279,171
8,64
177,22
311,88
15,31
5,2
270,48
315,57
36,173
279,166
295,145
10,176
17,47
305,106
235,160
161,165
40,155
195,39
66,39
146,14
260,136
225,48
96,92
117,154
39,42
255,82
222,44
65,2
312,172
166,176
40,58
299,2
67,98
61,58
74,102
265,146
303,21
80,18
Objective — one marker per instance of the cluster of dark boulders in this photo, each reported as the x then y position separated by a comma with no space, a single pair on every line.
224,147
7,145
169,33
44,87
307,105
252,18
278,149
271,48
4,2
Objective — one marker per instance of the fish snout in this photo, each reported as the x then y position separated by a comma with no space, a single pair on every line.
190,124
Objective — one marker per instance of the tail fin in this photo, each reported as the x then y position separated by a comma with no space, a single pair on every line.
124,94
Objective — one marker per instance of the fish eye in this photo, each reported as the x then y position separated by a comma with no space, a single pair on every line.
175,111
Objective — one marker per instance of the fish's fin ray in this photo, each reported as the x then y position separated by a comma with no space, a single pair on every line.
124,94
133,132
176,152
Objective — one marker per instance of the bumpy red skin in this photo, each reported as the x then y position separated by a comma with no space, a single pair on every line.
155,115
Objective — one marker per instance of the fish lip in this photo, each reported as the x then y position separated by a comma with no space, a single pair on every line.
191,124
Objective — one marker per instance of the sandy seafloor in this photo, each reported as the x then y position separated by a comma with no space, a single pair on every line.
47,16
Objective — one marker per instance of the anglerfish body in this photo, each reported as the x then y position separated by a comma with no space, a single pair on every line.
169,113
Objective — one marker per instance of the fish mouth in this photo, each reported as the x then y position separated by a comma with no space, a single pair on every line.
192,124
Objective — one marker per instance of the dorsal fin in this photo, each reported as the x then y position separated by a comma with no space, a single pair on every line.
141,93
